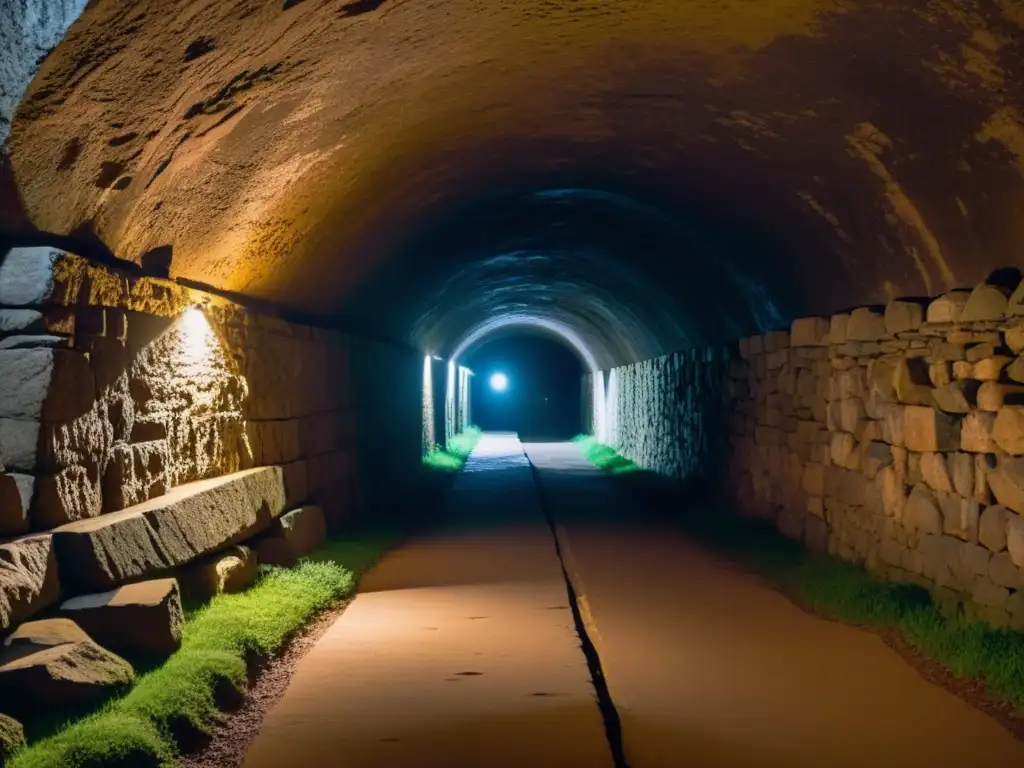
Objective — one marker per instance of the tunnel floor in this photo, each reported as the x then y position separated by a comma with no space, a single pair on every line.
465,647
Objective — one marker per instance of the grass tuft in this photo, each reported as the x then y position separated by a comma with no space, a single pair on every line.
968,648
604,457
452,458
185,695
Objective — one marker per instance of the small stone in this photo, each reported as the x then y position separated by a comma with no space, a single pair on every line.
962,370
876,457
992,527
843,450
952,398
991,368
809,332
928,430
1015,539
12,738
1015,338
295,535
838,328
959,516
986,302
1008,430
992,396
1015,370
976,432
1005,573
921,514
53,664
143,619
233,570
903,316
940,374
866,324
936,475
776,340
28,578
1007,483
756,345
961,472
911,382
894,495
980,352
986,593
948,308
814,479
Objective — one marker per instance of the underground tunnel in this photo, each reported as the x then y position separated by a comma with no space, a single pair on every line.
438,382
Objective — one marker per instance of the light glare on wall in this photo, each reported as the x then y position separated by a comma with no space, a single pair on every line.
197,336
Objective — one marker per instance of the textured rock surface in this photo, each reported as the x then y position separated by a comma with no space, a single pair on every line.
831,444
142,619
52,664
12,737
190,521
233,570
624,96
28,578
294,535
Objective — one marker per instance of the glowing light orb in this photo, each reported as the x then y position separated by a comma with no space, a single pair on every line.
499,382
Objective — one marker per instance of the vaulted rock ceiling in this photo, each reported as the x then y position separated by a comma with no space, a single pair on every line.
645,174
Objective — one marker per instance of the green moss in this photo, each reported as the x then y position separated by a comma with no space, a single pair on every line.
604,457
452,458
184,695
849,593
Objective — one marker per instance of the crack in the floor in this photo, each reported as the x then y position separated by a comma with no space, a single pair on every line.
609,714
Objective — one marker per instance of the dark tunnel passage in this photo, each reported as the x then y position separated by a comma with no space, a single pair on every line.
537,392
552,357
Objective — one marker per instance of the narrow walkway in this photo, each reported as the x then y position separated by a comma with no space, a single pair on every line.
710,667
461,650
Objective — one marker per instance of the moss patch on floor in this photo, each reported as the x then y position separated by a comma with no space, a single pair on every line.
604,457
184,696
452,458
847,592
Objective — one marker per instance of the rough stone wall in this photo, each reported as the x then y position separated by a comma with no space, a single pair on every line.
892,437
665,414
28,30
115,388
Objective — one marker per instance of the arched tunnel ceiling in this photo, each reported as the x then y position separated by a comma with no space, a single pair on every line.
650,173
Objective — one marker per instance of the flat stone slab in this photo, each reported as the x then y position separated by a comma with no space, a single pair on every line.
295,535
53,663
143,619
161,534
28,578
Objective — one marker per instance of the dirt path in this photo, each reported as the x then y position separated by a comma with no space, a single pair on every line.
708,666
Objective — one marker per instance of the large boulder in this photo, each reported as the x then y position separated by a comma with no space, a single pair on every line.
54,664
296,534
232,570
28,578
167,532
143,619
12,737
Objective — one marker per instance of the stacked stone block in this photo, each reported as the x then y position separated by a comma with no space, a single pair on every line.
889,436
116,389
893,437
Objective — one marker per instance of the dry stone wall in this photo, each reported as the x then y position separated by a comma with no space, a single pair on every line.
892,437
116,389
